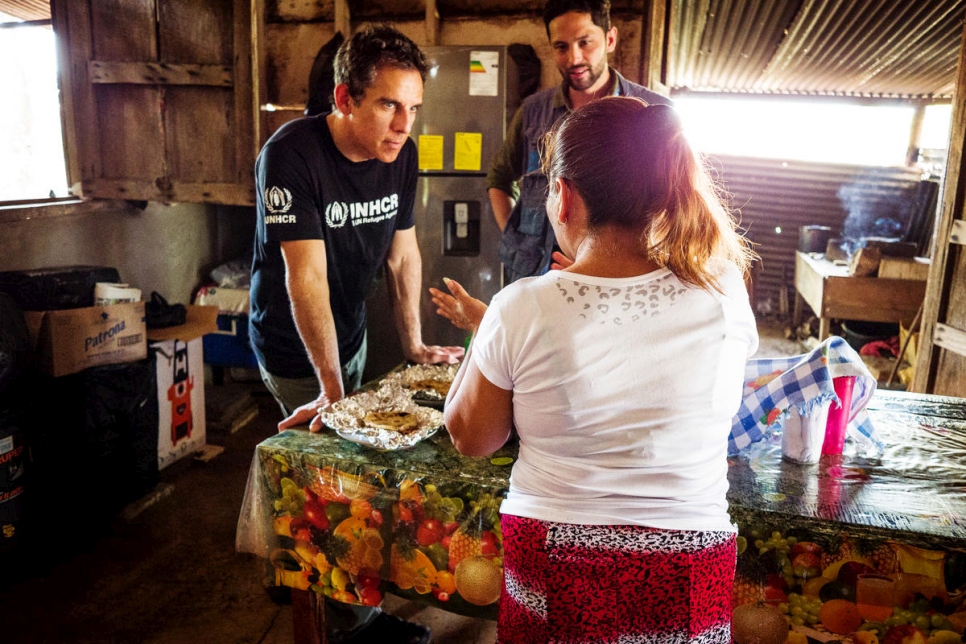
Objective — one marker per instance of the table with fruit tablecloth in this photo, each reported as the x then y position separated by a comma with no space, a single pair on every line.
353,523
344,521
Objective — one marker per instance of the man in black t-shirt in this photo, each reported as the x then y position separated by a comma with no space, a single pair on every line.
335,204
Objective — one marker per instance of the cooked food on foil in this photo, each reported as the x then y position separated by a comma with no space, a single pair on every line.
392,421
426,382
385,418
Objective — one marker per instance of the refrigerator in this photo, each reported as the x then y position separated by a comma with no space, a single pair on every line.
470,95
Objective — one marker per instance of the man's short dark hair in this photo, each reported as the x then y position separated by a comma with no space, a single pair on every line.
359,57
599,11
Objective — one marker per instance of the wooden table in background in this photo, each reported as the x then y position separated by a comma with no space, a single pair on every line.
831,293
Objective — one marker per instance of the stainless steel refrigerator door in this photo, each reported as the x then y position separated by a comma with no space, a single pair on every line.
451,105
479,274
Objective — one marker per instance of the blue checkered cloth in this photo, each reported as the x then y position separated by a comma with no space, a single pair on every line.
774,385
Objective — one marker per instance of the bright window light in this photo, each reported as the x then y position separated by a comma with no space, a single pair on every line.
935,127
807,130
31,145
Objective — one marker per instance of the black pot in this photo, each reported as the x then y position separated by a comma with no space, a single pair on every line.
813,239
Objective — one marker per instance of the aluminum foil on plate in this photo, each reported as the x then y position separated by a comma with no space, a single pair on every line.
425,383
348,418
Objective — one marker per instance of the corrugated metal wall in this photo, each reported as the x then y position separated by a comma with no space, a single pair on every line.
775,198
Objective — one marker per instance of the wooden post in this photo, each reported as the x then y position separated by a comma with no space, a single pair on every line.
939,371
653,47
342,19
432,24
258,70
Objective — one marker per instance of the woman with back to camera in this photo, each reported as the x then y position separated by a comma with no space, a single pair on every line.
621,374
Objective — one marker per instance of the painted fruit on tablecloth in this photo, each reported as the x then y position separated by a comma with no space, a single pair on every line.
826,603
840,616
336,518
758,623
479,580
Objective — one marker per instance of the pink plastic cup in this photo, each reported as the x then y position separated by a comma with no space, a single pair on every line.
838,416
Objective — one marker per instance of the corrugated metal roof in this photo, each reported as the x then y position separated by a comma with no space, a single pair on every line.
26,9
852,48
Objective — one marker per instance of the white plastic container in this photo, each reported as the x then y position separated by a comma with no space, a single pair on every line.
802,436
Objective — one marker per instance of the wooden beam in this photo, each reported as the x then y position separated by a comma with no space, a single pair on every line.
342,19
432,23
245,143
935,308
100,71
259,75
950,339
654,46
957,235
163,190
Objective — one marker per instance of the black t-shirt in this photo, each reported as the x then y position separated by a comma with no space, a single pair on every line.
308,190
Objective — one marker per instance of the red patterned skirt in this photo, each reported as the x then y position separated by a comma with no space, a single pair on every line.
599,584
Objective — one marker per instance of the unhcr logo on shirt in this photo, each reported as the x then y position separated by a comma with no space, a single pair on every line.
361,212
278,201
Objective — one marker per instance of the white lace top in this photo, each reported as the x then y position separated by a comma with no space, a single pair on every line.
623,395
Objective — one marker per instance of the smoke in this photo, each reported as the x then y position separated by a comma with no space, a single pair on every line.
877,209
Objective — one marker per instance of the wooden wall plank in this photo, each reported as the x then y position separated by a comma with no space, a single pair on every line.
132,190
123,30
197,130
242,118
129,118
291,48
148,73
259,75
196,32
233,194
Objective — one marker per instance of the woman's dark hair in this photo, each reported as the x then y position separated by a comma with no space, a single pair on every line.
599,11
379,45
635,170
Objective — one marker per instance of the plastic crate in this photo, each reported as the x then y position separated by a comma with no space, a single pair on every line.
230,346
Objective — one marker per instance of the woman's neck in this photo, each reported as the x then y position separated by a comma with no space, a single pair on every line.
611,253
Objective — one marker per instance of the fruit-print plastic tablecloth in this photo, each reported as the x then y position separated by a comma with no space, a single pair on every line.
353,523
816,540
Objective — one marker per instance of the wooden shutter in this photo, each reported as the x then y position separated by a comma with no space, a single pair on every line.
157,99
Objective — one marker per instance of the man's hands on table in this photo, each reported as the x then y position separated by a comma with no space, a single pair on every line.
306,414
432,354
422,354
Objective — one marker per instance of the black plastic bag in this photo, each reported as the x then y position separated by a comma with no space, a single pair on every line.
159,314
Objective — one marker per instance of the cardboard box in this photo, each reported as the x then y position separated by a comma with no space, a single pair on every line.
199,321
71,340
179,355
